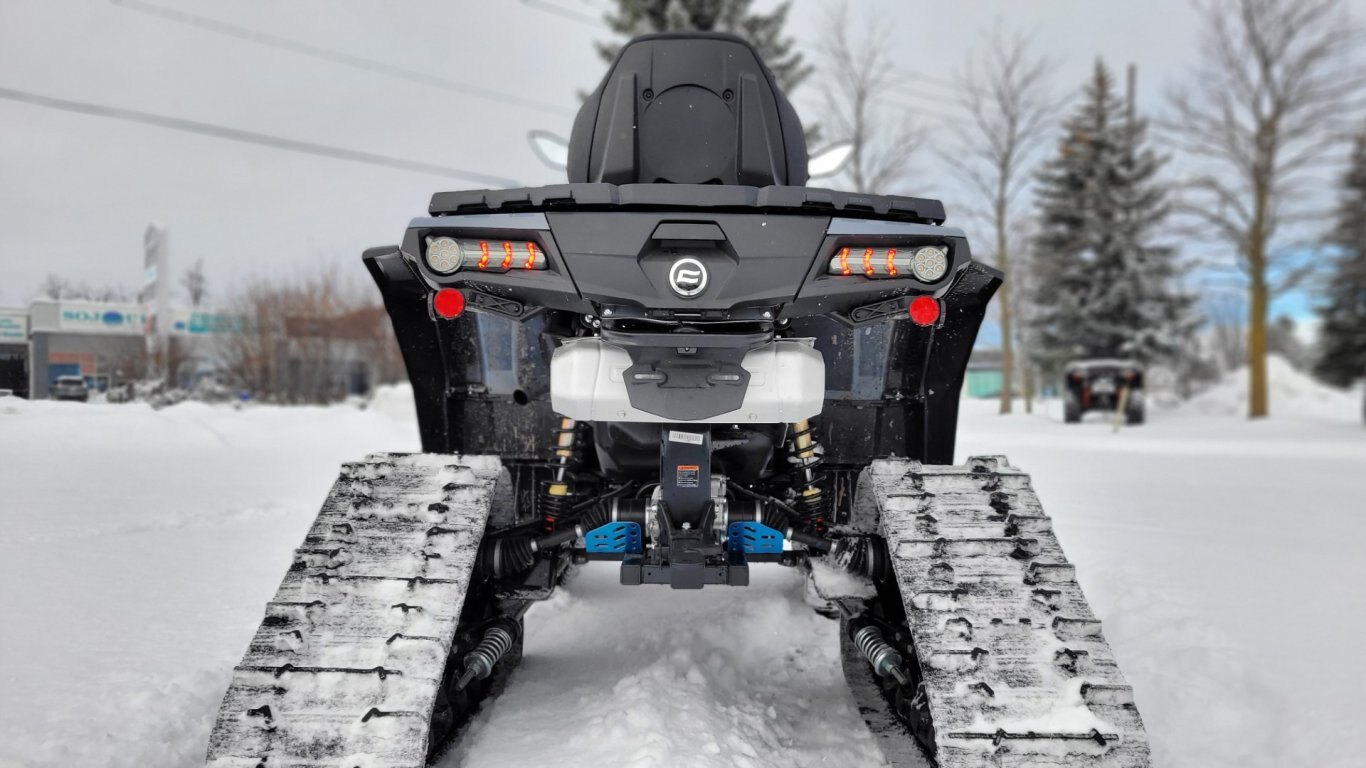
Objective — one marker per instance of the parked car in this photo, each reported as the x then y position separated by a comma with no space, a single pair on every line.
70,388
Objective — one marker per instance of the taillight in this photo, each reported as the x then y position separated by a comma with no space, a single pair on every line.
448,303
448,254
924,310
927,263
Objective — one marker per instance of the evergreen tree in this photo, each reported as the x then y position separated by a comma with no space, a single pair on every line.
1343,336
1101,286
763,30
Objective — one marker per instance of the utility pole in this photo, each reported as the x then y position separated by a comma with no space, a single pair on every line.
156,288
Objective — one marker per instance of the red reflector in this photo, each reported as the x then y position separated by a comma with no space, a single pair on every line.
923,310
448,303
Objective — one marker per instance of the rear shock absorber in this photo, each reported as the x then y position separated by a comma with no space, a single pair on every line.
879,653
495,644
557,494
806,459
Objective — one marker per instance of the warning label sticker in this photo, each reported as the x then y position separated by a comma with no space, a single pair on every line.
695,438
686,475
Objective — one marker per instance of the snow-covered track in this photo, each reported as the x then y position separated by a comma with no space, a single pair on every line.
1011,658
347,664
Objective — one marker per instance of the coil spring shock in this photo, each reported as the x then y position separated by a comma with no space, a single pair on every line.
479,662
557,495
884,658
806,475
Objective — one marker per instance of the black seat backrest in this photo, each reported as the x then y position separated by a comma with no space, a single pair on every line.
688,108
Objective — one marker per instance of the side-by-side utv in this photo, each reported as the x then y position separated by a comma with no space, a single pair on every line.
686,364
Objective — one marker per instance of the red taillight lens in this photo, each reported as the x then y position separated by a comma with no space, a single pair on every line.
923,310
448,303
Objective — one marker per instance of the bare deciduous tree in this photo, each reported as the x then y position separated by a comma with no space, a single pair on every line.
1004,91
57,287
1227,315
303,340
54,287
1021,288
1262,109
857,69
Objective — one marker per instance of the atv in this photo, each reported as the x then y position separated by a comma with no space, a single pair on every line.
687,364
1114,386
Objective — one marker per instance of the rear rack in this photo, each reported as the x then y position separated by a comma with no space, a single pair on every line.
712,198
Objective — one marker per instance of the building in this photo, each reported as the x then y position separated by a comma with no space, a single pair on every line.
101,342
104,343
984,373
293,358
14,350
325,357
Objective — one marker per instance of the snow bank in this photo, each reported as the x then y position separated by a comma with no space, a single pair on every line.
394,401
1292,393
137,549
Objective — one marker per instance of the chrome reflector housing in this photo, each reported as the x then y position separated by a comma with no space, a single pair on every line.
930,263
443,254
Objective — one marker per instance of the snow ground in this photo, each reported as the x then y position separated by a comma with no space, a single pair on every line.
137,548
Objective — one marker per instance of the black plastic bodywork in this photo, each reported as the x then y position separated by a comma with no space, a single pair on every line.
482,380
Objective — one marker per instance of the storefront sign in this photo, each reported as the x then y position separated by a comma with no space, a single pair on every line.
121,319
13,326
91,317
196,322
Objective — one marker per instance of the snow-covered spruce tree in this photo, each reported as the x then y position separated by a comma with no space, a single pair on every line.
1342,344
1101,285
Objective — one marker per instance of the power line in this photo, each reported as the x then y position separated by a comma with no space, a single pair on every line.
336,57
562,12
250,137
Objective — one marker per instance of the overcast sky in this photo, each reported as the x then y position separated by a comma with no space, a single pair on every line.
77,191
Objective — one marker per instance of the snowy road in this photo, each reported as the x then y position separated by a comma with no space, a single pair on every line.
137,548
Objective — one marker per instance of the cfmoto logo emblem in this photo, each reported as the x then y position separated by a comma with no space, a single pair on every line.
688,277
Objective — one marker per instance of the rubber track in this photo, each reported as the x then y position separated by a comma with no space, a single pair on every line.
345,667
1011,656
